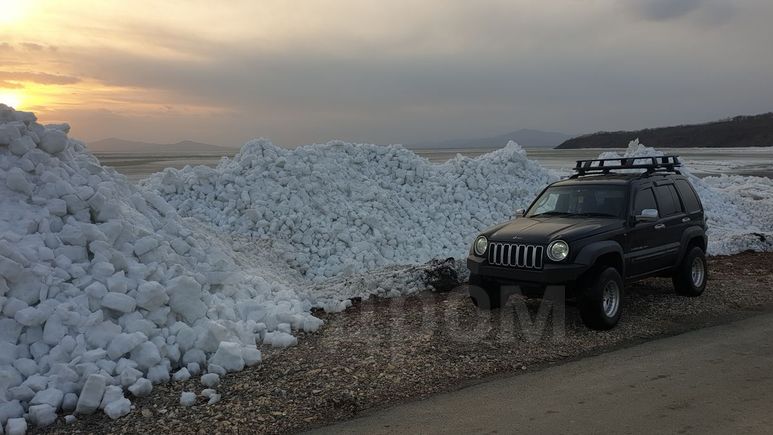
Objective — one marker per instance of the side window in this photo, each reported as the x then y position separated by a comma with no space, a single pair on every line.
665,201
691,203
644,199
675,197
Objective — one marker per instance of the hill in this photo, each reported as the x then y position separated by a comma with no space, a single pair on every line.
115,145
741,131
524,137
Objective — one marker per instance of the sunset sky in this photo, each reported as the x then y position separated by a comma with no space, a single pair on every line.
398,71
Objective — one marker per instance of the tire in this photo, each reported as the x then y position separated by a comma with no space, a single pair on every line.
484,294
691,275
601,300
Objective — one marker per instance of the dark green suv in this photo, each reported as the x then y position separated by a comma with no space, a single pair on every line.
613,222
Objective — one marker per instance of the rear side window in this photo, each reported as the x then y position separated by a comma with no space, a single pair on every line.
666,203
644,199
689,199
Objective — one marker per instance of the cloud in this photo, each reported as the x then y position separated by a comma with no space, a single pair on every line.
664,10
10,85
36,77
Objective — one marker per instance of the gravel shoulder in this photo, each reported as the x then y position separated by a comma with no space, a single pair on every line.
386,351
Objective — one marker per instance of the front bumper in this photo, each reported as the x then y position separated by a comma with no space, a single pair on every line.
551,273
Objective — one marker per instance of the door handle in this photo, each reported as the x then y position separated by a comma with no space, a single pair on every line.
685,219
660,226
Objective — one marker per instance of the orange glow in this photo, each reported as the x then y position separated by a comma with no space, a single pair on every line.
12,99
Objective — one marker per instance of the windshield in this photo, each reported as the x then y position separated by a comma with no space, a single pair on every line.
600,200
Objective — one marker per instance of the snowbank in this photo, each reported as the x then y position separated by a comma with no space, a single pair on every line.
106,288
342,208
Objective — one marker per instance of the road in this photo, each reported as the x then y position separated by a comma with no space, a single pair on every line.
713,380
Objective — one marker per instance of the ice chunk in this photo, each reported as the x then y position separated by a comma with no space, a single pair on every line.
118,409
141,388
69,402
158,374
228,356
185,298
21,145
42,415
16,426
187,398
9,410
113,393
251,355
151,295
17,181
279,339
214,398
70,419
53,141
146,355
193,368
50,396
182,375
119,302
124,343
30,316
210,380
91,395
145,245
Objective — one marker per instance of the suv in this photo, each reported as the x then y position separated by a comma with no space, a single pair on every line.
595,232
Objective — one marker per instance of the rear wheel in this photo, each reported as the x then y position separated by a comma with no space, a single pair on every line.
485,294
601,299
690,278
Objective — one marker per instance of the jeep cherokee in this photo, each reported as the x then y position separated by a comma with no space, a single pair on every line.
593,233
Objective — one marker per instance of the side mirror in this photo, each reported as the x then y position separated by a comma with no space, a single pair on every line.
647,215
520,212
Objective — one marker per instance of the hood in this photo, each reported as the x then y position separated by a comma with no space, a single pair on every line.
544,230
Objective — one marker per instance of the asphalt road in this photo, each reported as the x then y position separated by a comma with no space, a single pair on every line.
713,380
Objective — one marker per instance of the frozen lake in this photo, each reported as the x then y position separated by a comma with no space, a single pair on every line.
703,161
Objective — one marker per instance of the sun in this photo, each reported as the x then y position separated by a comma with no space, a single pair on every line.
12,11
10,99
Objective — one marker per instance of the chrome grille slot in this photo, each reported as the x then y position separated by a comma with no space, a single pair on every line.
516,255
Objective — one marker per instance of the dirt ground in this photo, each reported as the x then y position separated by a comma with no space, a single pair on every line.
385,351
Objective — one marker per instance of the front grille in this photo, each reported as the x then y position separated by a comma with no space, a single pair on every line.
515,255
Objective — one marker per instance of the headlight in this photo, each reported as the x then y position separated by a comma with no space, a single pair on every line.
558,250
480,245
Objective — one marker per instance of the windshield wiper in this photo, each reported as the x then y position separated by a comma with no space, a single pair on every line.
595,214
551,213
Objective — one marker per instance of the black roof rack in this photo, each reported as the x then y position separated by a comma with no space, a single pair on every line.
650,164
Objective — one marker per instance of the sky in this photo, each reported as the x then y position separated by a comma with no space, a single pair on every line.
398,71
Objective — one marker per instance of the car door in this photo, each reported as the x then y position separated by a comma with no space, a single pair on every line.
672,222
645,239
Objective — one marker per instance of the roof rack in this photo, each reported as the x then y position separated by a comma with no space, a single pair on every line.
653,164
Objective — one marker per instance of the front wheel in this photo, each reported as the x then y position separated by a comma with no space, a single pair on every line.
485,294
601,300
690,277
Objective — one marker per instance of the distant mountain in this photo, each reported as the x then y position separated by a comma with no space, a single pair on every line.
525,137
115,145
741,131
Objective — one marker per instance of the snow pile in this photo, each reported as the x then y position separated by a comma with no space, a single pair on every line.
103,287
739,210
341,208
